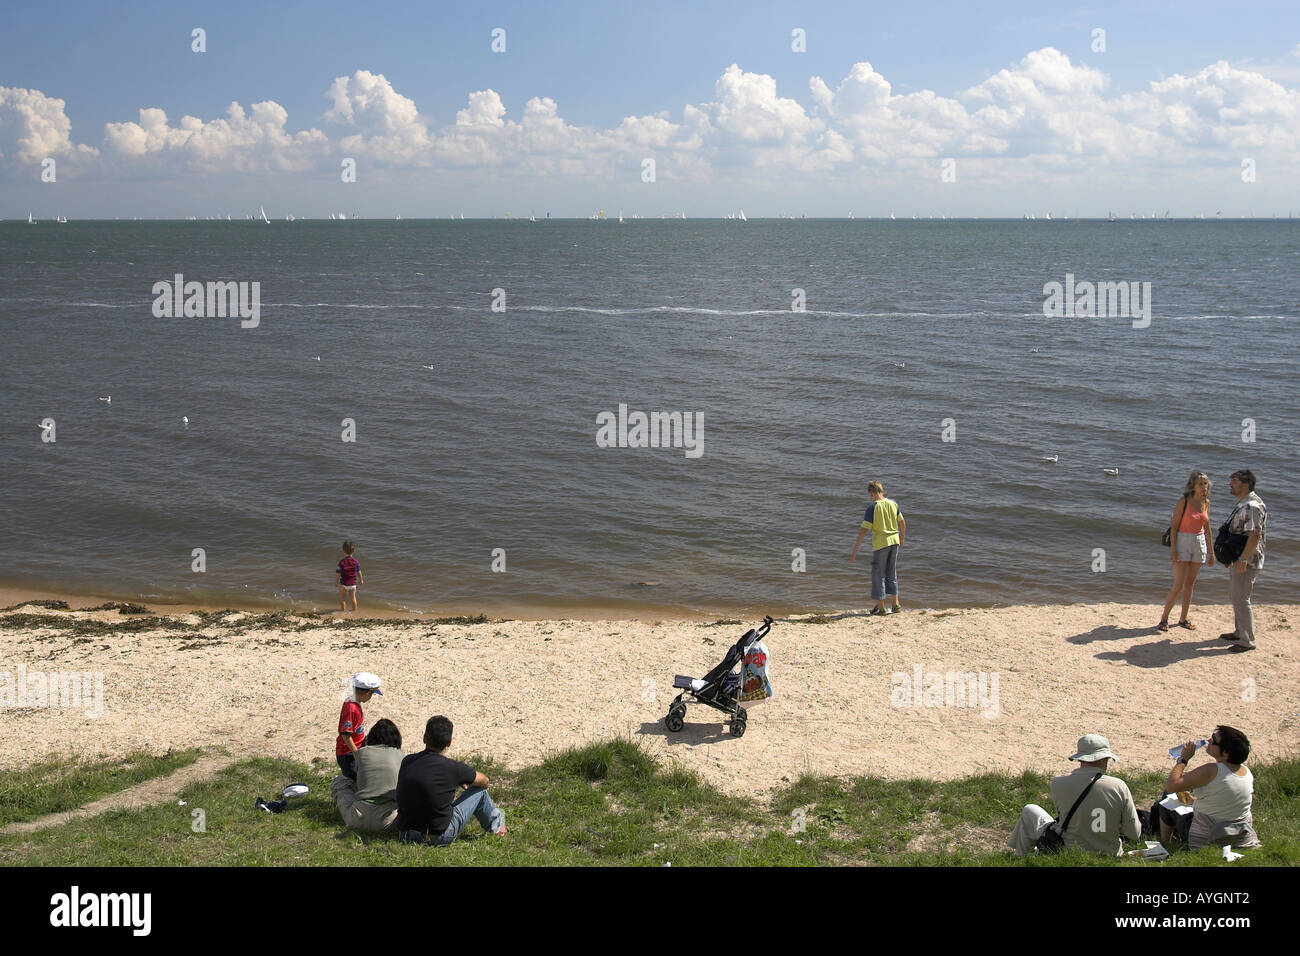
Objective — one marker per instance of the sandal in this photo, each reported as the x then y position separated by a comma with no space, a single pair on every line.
1163,627
1187,624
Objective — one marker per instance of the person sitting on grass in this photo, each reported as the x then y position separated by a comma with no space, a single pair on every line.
369,803
1104,819
426,784
352,722
1223,793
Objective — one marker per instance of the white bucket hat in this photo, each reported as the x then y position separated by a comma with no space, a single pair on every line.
1093,747
367,681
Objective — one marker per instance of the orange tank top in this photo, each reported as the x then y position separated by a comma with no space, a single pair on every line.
1194,522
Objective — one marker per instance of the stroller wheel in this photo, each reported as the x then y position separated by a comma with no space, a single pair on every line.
674,721
738,727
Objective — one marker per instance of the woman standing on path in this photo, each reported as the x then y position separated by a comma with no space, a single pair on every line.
1189,546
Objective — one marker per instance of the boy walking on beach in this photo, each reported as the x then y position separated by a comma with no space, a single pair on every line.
885,522
352,722
349,571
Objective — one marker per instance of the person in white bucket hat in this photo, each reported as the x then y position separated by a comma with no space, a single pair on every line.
352,722
1106,817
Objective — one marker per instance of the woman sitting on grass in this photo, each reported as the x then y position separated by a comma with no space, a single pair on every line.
370,802
1224,791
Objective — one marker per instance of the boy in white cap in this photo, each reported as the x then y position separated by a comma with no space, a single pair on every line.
1104,818
352,722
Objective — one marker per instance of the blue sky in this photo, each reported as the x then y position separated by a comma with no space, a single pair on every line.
1050,130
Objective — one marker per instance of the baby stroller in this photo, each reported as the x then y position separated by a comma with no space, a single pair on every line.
719,688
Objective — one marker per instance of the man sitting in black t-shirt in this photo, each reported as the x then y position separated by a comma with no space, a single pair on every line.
426,783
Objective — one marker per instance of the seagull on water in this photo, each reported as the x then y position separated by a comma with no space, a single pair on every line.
1052,458
900,365
107,401
316,358
1111,471
429,367
185,419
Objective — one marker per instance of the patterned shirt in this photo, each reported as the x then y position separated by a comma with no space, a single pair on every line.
1250,515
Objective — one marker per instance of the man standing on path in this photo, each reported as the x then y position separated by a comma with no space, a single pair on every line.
1248,518
887,527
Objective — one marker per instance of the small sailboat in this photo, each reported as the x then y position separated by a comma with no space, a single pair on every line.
892,216
743,217
263,214
531,217
620,215
30,220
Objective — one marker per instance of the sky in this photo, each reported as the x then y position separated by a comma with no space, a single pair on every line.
823,109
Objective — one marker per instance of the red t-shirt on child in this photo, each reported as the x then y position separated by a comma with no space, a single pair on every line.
352,723
348,569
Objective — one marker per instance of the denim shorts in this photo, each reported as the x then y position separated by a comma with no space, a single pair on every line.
1191,547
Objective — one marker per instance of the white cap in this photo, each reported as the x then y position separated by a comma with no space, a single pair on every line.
367,681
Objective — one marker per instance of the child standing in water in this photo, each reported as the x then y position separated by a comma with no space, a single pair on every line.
349,571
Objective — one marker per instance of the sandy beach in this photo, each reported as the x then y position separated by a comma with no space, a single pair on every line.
938,694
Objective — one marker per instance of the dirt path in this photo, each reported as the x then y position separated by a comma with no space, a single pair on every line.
143,794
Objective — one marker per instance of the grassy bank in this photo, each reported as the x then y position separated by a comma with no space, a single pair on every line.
611,804
56,784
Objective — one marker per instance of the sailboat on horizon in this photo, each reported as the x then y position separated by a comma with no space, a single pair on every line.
262,211
743,217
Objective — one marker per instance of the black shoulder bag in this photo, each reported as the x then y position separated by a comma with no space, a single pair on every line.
1053,838
1167,538
1228,545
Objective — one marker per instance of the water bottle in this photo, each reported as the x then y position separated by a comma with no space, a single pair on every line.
1176,751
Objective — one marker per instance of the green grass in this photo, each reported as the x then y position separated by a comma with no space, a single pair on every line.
612,804
57,784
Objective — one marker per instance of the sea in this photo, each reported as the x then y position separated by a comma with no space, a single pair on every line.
461,400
